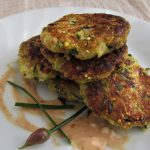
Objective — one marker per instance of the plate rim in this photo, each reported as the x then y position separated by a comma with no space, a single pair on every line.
77,8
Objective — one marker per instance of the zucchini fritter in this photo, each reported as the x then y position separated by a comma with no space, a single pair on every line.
123,98
65,89
83,71
86,35
32,64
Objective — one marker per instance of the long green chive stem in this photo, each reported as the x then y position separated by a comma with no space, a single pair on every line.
42,135
41,107
78,97
62,100
57,107
67,102
67,120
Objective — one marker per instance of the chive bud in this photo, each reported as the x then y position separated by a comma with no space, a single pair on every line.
39,136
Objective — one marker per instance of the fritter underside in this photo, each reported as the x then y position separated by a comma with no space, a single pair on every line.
123,98
87,70
66,89
86,35
32,64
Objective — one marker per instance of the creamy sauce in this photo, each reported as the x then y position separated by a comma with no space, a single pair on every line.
94,134
21,119
3,107
85,133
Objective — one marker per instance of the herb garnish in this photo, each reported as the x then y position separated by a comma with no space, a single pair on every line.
45,106
41,107
42,135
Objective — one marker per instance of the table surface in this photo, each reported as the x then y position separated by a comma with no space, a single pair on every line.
138,8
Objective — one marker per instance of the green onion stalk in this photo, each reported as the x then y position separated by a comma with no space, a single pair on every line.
42,135
45,106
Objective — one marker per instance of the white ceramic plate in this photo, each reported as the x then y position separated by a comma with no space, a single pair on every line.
14,29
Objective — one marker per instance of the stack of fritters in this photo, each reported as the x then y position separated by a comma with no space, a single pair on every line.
85,57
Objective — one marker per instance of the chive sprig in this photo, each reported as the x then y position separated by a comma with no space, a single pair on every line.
45,106
41,107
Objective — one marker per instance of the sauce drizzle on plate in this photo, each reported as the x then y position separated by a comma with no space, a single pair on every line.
85,133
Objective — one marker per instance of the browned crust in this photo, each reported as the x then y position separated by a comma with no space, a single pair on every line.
109,29
87,70
66,89
31,54
121,99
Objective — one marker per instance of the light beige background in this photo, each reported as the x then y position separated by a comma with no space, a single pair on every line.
138,8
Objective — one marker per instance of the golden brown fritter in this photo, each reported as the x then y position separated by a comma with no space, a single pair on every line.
32,64
86,35
65,89
83,71
123,98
